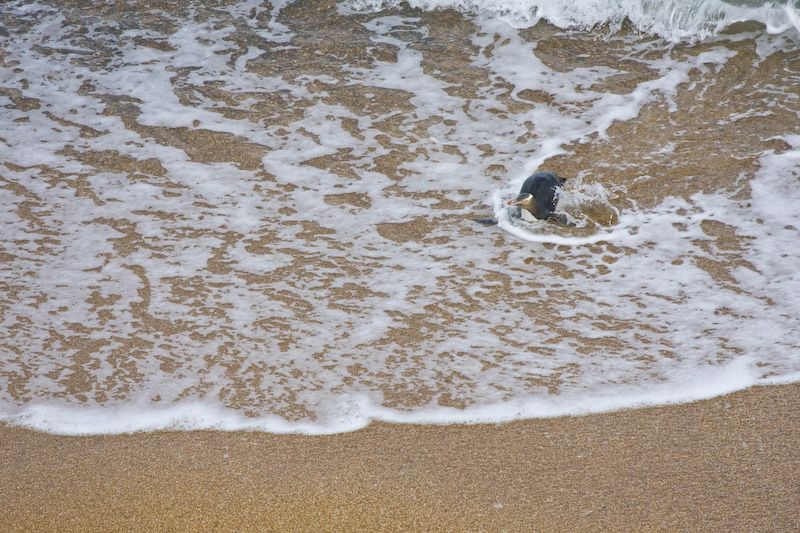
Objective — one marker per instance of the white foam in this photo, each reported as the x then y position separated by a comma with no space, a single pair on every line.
357,413
542,231
672,19
319,335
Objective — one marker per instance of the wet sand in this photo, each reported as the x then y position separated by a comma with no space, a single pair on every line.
726,464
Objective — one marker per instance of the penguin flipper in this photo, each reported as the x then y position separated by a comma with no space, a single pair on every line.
561,218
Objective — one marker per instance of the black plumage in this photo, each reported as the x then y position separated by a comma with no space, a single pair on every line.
539,196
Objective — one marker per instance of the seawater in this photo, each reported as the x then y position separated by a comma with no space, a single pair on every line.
259,215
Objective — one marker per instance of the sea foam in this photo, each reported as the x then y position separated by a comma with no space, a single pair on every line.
334,276
675,20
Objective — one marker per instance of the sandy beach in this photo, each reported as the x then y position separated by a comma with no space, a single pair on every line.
265,210
726,464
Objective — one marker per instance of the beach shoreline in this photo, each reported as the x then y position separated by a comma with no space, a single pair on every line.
267,211
724,464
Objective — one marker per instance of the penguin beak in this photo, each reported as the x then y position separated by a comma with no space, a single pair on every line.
521,199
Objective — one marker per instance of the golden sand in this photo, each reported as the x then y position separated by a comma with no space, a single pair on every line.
726,464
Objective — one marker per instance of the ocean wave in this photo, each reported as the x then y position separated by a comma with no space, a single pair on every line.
228,220
675,20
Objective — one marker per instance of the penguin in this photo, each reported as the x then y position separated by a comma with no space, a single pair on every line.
538,196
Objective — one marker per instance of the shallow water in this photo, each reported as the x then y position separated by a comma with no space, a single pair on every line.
259,215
